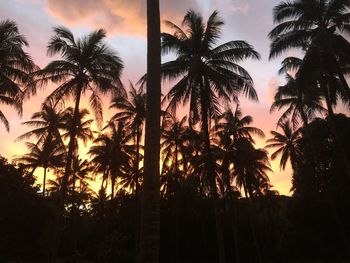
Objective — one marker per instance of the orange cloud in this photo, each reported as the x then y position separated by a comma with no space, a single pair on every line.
125,17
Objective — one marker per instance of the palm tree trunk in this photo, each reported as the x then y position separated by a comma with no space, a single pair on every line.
68,168
137,163
177,207
44,181
32,172
226,176
73,133
103,181
137,190
150,221
74,215
212,180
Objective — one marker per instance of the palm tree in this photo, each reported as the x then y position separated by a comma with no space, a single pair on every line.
316,27
48,123
150,222
206,74
99,204
16,67
82,171
132,111
111,153
83,128
172,134
302,100
231,127
87,65
250,172
55,186
234,125
300,103
286,144
250,168
50,155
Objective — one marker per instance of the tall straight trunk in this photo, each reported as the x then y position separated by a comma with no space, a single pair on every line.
226,176
44,181
74,212
177,206
73,133
137,189
137,161
59,219
103,181
150,218
112,184
212,181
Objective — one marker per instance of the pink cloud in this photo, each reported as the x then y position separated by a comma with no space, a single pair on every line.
117,16
232,6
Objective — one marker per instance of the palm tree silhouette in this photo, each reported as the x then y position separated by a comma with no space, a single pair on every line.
47,124
111,153
87,65
301,103
16,68
172,141
132,111
50,155
251,167
207,74
82,170
232,125
150,205
250,172
286,144
83,128
316,27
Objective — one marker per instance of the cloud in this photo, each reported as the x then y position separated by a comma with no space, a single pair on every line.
124,17
237,6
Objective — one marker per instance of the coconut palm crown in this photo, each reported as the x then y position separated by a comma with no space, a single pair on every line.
16,67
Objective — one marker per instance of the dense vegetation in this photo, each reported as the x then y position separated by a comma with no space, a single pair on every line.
216,202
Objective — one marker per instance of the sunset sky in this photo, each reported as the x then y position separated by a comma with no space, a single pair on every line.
125,22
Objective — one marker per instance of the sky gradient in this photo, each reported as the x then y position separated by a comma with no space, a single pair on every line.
125,22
